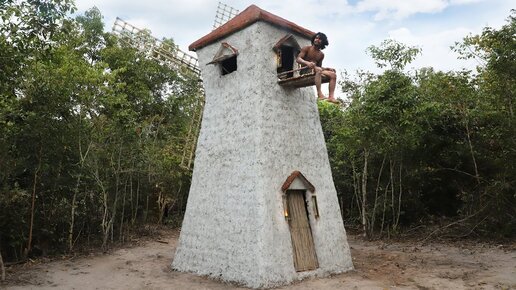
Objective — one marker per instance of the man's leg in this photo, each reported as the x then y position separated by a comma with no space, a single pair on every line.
331,86
318,71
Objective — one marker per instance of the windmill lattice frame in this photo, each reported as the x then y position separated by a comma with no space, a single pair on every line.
155,48
224,14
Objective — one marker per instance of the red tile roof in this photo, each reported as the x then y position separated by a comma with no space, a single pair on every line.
249,16
293,177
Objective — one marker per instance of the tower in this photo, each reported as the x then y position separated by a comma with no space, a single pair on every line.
262,208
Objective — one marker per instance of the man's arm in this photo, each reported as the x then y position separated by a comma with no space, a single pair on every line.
319,64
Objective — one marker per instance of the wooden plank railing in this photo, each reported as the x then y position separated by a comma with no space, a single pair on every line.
298,80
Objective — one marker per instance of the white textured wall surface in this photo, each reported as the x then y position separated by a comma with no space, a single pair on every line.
254,133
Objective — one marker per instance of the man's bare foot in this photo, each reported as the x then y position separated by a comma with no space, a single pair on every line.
333,100
320,96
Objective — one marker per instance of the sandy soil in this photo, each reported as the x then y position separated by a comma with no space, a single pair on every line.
379,265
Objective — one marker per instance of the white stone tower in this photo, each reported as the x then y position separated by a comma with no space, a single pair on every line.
262,209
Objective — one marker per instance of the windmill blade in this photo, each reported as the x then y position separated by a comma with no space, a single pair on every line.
154,47
172,56
224,14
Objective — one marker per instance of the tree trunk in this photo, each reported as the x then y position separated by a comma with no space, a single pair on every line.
131,191
121,235
72,218
104,223
161,207
373,216
135,214
75,193
468,134
2,268
149,179
399,200
33,203
384,206
364,193
511,112
356,189
108,224
392,167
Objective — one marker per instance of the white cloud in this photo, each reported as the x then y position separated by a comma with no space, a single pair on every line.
460,2
400,9
435,47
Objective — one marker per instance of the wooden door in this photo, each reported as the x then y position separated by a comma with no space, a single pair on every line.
303,246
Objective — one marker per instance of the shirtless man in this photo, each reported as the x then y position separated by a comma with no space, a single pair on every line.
312,57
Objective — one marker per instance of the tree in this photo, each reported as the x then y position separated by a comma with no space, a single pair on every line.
496,52
91,133
393,53
377,133
493,115
423,145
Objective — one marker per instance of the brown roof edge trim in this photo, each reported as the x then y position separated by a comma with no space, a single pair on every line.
293,176
247,17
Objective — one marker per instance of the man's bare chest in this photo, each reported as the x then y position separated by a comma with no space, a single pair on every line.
314,55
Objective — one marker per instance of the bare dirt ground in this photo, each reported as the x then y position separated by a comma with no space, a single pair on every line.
378,265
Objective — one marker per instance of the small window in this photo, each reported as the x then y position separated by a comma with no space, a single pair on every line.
286,50
228,65
226,58
315,206
286,61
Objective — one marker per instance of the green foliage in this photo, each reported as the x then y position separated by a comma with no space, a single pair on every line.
496,50
32,24
414,146
397,55
90,129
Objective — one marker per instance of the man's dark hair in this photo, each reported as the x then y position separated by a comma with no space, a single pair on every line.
322,37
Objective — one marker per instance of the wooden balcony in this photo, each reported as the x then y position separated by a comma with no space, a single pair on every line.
297,79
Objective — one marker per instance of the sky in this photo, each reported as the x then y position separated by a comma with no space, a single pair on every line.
351,25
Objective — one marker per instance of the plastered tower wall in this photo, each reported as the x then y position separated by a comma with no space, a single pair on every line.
253,135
